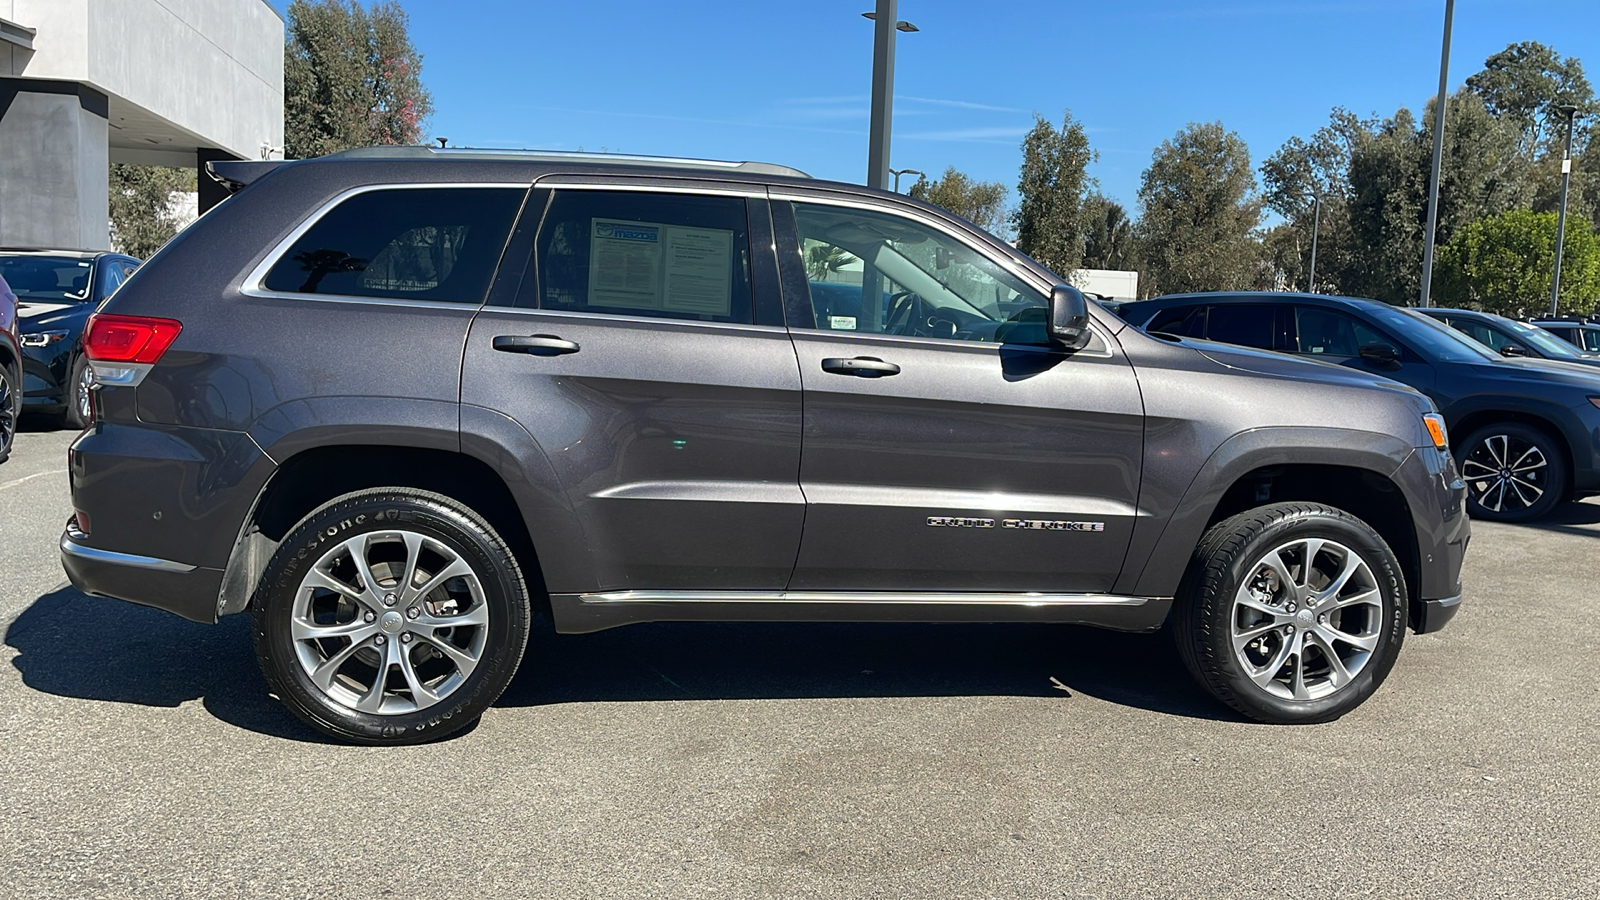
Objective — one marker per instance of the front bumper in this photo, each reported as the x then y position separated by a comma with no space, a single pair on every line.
1437,498
189,591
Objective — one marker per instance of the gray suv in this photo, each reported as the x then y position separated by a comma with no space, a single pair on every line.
395,403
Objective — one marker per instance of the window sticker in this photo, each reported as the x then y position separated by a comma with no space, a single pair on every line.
649,265
842,323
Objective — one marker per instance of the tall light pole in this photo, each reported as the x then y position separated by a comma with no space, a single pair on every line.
885,24
1438,156
1316,224
1571,112
898,172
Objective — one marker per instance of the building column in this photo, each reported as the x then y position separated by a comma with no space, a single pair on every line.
54,165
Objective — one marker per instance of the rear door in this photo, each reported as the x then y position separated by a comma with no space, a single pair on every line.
645,353
948,446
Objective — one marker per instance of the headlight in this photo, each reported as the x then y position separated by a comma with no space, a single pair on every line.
1435,425
43,338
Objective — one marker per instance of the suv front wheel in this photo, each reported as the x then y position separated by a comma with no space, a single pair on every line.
1291,613
391,616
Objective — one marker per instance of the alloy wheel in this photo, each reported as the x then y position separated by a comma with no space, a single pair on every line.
389,622
8,412
84,397
1505,473
1307,618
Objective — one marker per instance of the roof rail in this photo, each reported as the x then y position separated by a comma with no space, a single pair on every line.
614,159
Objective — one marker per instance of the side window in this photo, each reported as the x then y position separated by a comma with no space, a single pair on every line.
437,244
675,256
882,274
1183,321
1591,338
1481,333
112,274
1327,332
1250,325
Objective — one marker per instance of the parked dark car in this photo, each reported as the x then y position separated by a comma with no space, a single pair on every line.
10,371
394,402
56,291
1527,422
1511,338
1583,333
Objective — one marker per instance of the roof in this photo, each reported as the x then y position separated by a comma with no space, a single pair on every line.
49,251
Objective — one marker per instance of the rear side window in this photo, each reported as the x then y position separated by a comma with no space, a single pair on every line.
674,256
1247,325
436,244
1183,321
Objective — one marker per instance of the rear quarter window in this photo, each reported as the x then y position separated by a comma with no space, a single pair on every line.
435,244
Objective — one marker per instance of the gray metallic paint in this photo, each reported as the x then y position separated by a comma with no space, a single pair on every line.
584,442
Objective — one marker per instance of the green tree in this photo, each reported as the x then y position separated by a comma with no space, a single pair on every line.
146,206
1301,173
1523,85
1108,234
1483,173
1504,264
1199,213
351,78
983,203
1048,219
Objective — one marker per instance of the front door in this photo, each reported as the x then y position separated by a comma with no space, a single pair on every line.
948,446
633,357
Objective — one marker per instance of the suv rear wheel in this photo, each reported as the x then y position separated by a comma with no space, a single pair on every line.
391,616
1513,472
1291,613
10,408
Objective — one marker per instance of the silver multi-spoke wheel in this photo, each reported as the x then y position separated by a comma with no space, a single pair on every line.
1505,473
9,401
85,395
1306,619
389,622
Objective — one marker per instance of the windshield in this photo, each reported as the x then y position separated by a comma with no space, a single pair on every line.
1541,340
49,278
1433,337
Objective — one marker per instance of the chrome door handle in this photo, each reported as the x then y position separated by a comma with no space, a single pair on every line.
535,344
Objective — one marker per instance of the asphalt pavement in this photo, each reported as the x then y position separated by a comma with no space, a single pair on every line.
141,756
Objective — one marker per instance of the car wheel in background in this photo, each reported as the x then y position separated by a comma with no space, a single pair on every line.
1514,472
78,398
10,408
391,616
1291,613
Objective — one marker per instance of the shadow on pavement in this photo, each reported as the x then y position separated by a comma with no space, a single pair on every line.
1568,518
790,661
73,645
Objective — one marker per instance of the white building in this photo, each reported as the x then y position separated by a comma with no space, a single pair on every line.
85,83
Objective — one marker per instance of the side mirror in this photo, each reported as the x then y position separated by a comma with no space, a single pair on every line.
1069,317
1513,350
1386,355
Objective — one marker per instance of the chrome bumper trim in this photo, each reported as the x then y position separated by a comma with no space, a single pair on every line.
121,559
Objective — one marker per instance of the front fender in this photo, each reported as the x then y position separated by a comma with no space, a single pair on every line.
1159,554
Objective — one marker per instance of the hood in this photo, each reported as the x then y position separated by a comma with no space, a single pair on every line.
33,315
1545,371
1281,365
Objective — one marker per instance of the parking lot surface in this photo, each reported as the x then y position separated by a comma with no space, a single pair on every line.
143,757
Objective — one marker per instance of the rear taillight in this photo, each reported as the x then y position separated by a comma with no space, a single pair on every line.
128,339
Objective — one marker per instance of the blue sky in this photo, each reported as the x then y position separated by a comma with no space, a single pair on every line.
788,82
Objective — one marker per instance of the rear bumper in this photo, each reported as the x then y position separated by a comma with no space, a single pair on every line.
1435,614
189,591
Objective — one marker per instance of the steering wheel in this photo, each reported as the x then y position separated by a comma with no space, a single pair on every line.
905,314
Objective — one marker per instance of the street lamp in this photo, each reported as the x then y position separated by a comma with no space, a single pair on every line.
898,172
885,23
1316,224
1571,113
1438,156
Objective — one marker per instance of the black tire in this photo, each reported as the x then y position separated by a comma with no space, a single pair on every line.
1207,615
491,587
73,395
1504,465
10,410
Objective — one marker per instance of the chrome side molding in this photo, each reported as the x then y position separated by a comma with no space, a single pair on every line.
579,613
121,559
